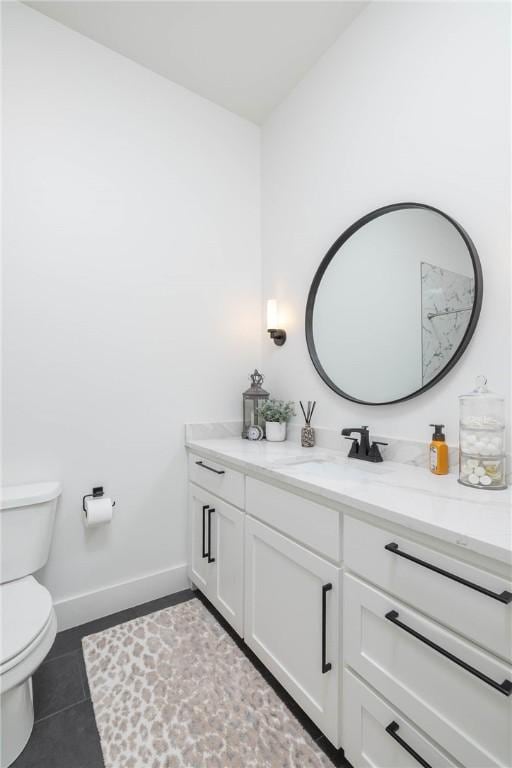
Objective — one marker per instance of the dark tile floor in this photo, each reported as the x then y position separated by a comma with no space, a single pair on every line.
65,733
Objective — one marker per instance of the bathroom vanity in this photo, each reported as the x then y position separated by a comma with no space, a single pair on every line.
379,596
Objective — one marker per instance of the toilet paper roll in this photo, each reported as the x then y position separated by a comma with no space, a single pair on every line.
98,511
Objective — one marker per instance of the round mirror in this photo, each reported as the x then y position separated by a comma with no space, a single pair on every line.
393,304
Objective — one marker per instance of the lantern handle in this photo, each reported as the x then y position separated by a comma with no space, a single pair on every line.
257,378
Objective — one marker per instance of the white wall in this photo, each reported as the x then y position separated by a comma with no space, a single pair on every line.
131,256
411,104
132,296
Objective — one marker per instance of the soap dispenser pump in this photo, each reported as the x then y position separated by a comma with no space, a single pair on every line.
438,451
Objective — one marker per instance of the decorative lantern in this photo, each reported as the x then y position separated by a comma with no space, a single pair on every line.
252,398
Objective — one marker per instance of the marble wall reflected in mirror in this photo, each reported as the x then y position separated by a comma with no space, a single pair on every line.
393,304
446,303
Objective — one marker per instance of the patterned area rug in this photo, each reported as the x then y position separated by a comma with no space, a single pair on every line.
172,690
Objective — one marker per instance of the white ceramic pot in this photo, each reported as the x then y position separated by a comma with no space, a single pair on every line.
275,431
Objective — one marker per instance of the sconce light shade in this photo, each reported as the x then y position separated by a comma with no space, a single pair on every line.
271,313
277,334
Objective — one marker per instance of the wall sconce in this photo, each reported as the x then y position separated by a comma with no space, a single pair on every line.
278,334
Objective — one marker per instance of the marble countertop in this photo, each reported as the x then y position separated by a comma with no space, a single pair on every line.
474,519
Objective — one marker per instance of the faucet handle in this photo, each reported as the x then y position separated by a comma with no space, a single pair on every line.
354,448
374,454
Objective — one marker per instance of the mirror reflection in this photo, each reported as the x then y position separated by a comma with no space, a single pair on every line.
393,304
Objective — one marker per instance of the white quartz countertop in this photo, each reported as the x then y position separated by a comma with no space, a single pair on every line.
474,519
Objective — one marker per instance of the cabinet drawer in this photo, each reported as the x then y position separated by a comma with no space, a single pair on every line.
480,617
226,483
312,524
416,664
368,725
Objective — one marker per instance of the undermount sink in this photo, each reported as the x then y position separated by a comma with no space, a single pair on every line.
344,468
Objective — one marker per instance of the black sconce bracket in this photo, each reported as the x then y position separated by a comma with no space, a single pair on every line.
278,335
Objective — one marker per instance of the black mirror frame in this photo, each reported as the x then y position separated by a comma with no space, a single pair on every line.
333,250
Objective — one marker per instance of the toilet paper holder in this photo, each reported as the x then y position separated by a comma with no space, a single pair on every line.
96,494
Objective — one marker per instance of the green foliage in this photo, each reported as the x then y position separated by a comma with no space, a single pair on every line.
277,410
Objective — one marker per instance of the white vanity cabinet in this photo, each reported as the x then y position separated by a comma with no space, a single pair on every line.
285,599
438,584
376,734
198,504
222,481
417,629
431,688
398,645
313,525
216,541
292,614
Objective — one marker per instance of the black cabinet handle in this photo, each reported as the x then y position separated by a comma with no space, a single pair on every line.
505,687
326,666
211,469
204,553
392,730
504,597
210,513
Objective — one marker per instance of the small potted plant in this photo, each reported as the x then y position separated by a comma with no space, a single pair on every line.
276,414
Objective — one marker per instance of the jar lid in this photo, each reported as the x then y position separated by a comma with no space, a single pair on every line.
481,390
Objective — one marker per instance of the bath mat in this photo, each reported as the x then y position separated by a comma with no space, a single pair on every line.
172,690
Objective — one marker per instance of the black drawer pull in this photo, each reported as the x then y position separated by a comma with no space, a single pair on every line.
204,552
211,469
326,666
210,513
504,597
505,687
392,730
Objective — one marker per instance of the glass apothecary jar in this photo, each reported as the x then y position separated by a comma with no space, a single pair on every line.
482,460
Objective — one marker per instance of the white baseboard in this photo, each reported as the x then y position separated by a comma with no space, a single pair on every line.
78,609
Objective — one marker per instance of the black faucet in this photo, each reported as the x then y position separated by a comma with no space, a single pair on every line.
361,448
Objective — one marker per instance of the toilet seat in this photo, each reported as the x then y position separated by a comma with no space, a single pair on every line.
26,612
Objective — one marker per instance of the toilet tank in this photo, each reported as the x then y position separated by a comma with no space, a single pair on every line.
27,515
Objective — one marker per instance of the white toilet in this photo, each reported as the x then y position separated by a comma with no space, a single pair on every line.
29,624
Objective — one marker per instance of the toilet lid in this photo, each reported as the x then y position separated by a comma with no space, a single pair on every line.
26,606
